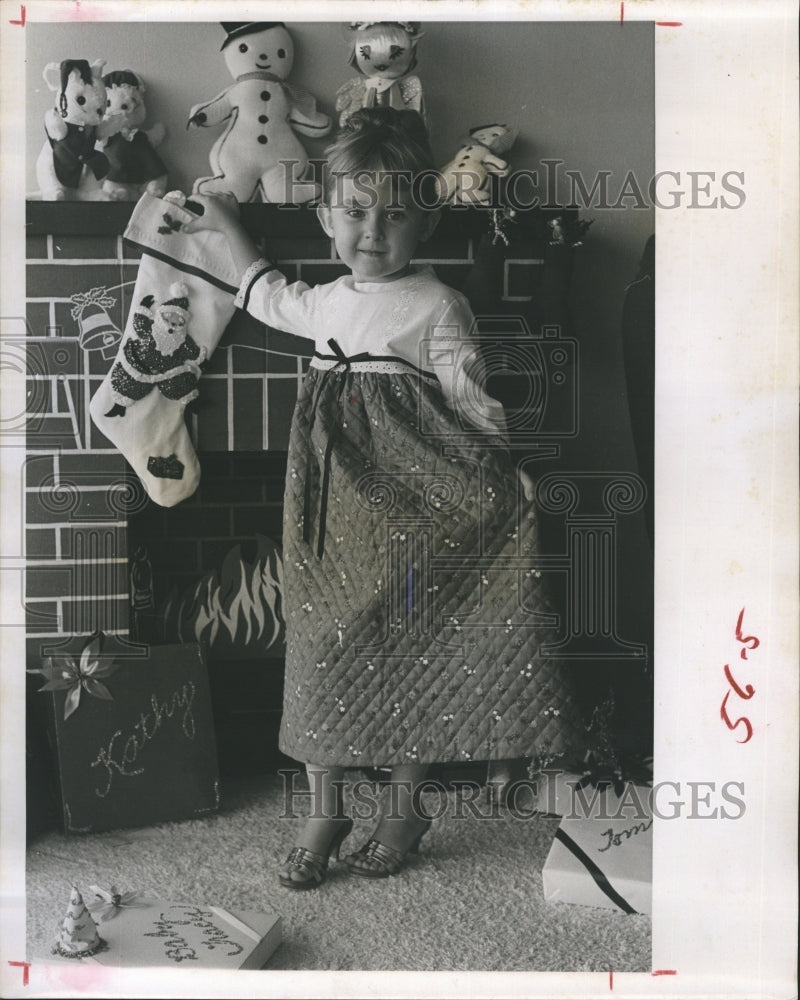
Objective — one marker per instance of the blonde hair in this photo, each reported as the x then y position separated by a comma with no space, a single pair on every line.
379,141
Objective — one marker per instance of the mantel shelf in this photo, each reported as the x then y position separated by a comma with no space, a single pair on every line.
107,218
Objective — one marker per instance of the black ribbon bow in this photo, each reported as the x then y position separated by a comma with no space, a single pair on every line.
344,363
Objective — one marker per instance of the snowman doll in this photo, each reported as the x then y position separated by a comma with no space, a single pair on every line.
259,153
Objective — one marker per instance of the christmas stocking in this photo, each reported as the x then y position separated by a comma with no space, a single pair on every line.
182,302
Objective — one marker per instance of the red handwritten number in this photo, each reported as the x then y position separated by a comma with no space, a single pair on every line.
723,713
745,639
745,693
25,966
748,691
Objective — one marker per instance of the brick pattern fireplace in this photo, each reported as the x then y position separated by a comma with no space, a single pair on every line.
81,498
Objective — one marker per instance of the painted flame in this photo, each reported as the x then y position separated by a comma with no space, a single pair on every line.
244,599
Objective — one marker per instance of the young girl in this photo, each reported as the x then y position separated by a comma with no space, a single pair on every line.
414,611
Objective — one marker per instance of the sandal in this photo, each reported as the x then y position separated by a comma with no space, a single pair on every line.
311,866
377,860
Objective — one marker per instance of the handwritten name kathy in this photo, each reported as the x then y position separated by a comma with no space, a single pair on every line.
119,757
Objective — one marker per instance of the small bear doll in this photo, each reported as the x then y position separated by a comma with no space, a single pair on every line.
385,53
69,165
465,180
134,165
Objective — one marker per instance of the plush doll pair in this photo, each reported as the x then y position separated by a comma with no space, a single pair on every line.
94,134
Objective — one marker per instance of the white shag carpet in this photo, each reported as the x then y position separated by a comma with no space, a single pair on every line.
472,900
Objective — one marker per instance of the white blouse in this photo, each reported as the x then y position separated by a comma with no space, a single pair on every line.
415,318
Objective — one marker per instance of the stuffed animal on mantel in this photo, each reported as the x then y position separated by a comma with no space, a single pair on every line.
134,165
69,165
385,53
259,154
465,180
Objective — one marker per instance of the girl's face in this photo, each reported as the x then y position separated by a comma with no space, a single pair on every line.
375,225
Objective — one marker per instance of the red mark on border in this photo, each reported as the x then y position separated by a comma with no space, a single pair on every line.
21,21
664,972
611,979
669,24
621,12
24,965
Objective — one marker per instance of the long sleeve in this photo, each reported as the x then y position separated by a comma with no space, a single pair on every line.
455,358
266,294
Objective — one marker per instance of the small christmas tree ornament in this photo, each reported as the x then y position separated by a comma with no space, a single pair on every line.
78,937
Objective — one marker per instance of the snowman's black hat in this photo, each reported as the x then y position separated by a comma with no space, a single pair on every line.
238,29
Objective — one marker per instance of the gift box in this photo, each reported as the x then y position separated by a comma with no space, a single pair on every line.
153,932
132,736
602,854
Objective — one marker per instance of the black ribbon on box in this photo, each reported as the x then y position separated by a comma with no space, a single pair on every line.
138,747
596,872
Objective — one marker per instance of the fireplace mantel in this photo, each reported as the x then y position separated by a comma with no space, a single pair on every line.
77,218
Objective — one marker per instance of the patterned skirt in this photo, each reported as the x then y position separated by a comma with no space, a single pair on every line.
416,616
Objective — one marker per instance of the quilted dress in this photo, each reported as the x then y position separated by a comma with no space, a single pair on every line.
415,613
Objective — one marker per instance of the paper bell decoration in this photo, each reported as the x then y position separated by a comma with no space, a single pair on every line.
96,330
78,937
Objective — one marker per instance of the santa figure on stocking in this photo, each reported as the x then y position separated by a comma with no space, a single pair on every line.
161,354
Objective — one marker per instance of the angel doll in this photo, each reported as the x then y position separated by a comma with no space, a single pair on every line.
384,53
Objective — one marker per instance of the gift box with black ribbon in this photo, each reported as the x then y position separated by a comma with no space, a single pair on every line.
602,854
132,734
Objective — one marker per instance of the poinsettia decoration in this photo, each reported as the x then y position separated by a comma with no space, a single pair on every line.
64,674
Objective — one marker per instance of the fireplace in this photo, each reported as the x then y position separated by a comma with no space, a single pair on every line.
209,571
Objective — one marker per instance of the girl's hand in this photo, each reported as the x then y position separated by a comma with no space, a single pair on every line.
220,213
528,485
